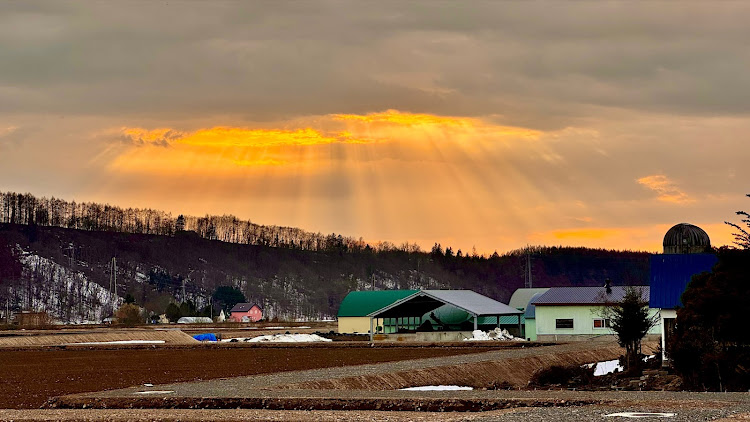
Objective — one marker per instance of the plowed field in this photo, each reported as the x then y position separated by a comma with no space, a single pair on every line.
29,377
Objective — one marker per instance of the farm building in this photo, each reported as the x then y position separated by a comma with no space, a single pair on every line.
32,319
521,300
431,314
575,313
685,247
245,312
356,306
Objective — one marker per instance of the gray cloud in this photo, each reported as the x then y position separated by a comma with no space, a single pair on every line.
139,138
541,64
661,86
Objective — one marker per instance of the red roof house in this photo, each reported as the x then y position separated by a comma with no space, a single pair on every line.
245,312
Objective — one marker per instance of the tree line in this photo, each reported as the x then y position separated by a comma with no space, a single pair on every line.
27,209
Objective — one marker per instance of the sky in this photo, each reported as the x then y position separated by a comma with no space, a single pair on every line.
488,125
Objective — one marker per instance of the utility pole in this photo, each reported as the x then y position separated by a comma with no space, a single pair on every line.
419,275
71,251
113,284
527,273
184,280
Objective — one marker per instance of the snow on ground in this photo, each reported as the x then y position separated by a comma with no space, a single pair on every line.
280,338
609,366
155,392
497,334
65,294
94,343
606,367
437,388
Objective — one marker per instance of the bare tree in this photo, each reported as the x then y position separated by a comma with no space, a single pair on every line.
741,236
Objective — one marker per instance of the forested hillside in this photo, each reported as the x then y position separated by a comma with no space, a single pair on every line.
58,256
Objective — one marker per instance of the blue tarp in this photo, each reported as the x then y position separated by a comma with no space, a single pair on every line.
671,273
205,337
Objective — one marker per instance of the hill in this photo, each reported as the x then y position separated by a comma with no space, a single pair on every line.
68,271
79,260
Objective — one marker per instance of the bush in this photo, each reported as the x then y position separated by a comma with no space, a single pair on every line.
566,376
129,314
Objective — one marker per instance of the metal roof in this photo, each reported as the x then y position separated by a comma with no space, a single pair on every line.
586,295
670,275
530,312
521,297
427,300
243,307
361,303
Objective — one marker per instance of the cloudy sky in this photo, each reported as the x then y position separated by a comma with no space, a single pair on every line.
475,124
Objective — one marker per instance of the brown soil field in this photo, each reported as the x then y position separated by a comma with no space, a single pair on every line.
30,377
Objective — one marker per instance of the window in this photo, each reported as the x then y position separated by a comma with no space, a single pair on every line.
564,323
602,323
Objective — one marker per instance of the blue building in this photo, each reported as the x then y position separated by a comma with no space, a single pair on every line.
687,252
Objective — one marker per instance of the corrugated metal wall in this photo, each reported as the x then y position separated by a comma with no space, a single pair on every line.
670,275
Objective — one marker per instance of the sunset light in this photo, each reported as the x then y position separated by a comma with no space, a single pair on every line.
428,187
474,138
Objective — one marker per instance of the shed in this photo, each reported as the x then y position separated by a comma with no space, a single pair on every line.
409,311
32,319
246,312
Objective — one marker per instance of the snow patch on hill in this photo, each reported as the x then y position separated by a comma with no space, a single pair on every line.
66,295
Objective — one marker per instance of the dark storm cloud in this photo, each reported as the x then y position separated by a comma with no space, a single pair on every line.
537,64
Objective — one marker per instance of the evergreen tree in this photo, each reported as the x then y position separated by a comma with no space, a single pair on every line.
630,321
173,312
225,297
180,223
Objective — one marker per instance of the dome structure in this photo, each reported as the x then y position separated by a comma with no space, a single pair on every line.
686,238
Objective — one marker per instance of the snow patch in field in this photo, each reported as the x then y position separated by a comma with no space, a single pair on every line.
498,334
641,415
94,343
280,338
155,392
437,388
605,367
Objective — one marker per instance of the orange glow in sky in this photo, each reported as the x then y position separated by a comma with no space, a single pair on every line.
388,176
492,125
